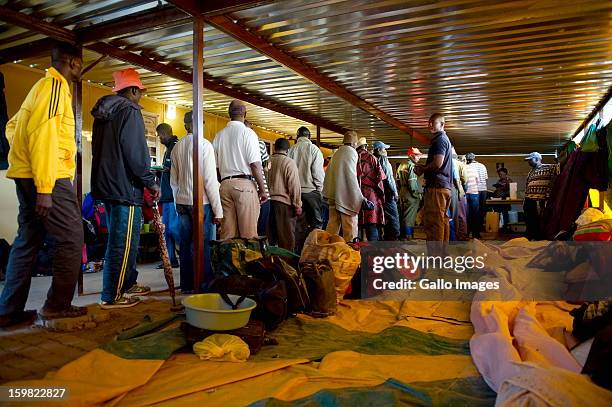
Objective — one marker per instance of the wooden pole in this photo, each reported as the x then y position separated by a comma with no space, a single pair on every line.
198,132
77,106
319,136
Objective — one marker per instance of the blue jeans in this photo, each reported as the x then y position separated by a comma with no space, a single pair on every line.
119,272
172,232
371,231
186,245
264,216
392,227
473,214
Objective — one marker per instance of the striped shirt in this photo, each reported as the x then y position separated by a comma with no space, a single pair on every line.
472,178
540,181
483,175
265,161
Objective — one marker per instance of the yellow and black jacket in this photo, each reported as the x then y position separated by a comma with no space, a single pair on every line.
41,134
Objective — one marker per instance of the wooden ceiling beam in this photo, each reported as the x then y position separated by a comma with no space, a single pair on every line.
242,34
216,85
35,25
146,20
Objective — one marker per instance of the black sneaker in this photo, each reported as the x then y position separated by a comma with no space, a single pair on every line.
17,318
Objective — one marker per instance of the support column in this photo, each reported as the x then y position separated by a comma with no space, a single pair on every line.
77,106
198,132
319,136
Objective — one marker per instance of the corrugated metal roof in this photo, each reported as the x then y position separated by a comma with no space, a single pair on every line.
509,75
520,72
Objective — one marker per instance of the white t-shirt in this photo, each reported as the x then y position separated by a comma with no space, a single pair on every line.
236,147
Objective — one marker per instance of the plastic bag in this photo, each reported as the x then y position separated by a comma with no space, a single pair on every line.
589,215
344,260
222,348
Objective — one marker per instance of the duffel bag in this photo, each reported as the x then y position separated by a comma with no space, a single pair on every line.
276,268
271,297
320,282
344,260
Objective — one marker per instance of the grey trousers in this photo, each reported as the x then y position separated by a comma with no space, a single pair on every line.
65,226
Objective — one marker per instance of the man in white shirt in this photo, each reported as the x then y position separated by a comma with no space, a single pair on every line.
181,181
483,176
309,161
242,183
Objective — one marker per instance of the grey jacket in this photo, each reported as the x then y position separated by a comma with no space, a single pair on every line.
309,161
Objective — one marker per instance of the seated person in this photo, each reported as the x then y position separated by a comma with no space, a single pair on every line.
502,190
502,187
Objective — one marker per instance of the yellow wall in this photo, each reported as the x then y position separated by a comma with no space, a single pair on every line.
18,81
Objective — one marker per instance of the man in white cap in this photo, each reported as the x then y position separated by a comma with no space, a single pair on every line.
539,183
392,225
120,171
341,190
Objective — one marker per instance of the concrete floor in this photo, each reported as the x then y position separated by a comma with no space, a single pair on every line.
148,275
30,352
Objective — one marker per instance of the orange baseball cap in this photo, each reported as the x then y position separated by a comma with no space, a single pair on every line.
413,151
127,78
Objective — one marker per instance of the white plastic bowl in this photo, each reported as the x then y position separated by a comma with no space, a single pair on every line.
209,311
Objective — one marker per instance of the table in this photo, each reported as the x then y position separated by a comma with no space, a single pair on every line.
493,202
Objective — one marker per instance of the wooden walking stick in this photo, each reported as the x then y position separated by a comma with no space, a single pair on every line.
163,249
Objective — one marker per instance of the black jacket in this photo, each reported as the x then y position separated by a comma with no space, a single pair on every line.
121,164
166,190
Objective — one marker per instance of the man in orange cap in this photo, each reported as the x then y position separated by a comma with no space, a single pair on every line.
410,192
120,172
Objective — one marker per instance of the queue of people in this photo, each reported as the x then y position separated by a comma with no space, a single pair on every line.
243,184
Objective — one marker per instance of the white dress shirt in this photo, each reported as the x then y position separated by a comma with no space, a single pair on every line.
236,147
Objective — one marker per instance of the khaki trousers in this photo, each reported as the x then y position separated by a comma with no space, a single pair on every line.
435,218
240,208
348,223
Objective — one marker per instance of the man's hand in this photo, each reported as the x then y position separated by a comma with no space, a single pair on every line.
217,221
297,210
44,202
395,197
155,192
262,196
368,205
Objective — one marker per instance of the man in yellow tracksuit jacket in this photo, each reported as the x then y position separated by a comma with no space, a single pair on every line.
42,164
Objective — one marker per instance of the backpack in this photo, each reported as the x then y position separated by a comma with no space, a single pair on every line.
270,296
320,282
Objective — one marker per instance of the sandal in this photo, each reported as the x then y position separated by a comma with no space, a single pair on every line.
71,312
124,302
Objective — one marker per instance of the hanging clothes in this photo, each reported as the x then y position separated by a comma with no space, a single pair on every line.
4,144
583,171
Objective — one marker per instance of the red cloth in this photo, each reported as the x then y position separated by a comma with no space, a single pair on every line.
371,176
147,208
